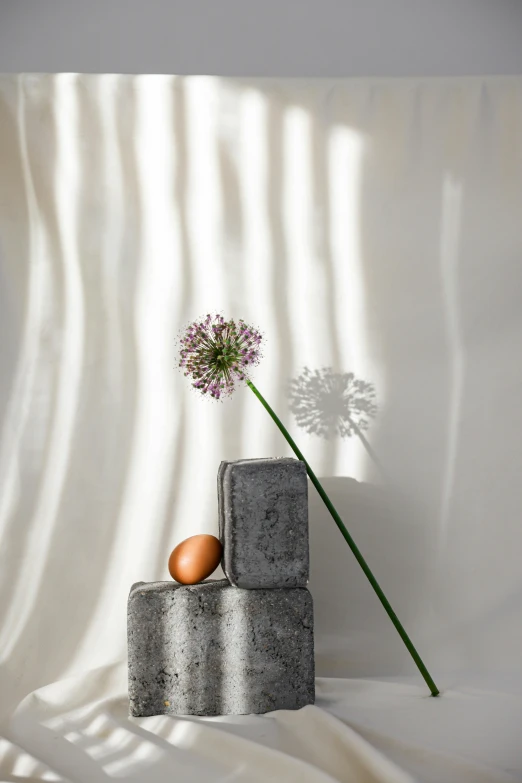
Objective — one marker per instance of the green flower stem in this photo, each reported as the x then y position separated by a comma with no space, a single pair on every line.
384,601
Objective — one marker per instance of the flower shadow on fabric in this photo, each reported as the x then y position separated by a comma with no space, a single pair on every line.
327,404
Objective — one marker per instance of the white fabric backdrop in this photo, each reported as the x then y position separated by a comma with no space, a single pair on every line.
373,226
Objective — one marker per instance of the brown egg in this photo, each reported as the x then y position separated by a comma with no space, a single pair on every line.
195,558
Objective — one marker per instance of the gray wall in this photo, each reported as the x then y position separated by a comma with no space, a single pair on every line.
265,38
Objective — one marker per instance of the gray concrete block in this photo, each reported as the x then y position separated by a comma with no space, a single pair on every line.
214,649
263,522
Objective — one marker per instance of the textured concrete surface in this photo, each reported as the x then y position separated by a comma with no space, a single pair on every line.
263,522
214,649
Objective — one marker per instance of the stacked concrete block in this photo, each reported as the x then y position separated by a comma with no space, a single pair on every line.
243,644
263,522
213,649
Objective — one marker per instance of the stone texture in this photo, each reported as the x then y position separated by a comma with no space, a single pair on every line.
263,522
214,649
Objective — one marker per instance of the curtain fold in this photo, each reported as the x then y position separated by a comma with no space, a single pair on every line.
369,226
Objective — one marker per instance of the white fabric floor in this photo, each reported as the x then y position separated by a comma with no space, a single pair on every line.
359,731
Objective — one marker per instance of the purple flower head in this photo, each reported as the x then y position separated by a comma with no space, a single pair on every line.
215,354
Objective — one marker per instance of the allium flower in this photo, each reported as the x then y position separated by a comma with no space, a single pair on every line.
326,403
217,353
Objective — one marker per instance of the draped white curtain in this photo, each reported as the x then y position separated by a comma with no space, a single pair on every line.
368,226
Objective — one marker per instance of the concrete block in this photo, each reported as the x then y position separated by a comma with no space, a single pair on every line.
214,649
263,522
